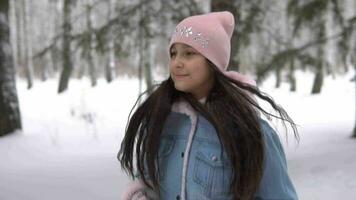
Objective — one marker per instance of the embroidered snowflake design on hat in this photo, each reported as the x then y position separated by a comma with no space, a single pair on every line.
188,32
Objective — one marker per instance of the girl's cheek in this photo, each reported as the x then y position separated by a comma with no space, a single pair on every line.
194,76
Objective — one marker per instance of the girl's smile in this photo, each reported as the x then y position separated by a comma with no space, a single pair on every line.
180,77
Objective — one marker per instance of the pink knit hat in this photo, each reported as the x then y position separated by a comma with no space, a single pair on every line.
209,34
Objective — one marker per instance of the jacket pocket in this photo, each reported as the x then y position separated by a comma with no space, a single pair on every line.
165,149
212,171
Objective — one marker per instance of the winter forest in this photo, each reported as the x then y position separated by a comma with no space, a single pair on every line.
71,70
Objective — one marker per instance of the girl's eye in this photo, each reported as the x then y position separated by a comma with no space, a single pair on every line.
172,54
189,53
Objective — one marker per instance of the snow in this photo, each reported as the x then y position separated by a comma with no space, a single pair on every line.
69,142
322,165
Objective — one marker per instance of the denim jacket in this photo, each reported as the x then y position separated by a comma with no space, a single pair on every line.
208,171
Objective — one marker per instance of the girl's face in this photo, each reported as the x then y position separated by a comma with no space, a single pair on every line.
190,71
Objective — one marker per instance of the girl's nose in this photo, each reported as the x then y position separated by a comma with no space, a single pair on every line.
177,62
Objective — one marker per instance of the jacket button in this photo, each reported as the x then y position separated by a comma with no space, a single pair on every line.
182,154
178,197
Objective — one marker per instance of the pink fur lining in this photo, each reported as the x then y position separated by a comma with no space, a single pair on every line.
135,191
184,107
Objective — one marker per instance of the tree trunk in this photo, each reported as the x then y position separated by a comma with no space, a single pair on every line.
278,78
318,79
55,52
66,51
145,67
111,63
81,69
13,21
19,36
28,65
292,79
140,66
45,68
92,70
110,66
148,74
10,119
353,61
319,75
146,63
354,79
228,5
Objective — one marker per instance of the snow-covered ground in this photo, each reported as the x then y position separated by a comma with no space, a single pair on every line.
69,142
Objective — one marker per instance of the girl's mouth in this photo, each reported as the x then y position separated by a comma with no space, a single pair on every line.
180,76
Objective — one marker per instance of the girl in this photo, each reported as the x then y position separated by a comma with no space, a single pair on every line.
199,134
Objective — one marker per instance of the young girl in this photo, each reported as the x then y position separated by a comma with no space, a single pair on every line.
199,135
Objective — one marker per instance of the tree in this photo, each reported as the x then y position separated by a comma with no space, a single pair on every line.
22,44
246,24
55,49
307,46
111,62
27,63
89,41
354,131
222,5
67,66
10,119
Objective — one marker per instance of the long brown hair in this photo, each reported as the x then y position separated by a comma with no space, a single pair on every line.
231,110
